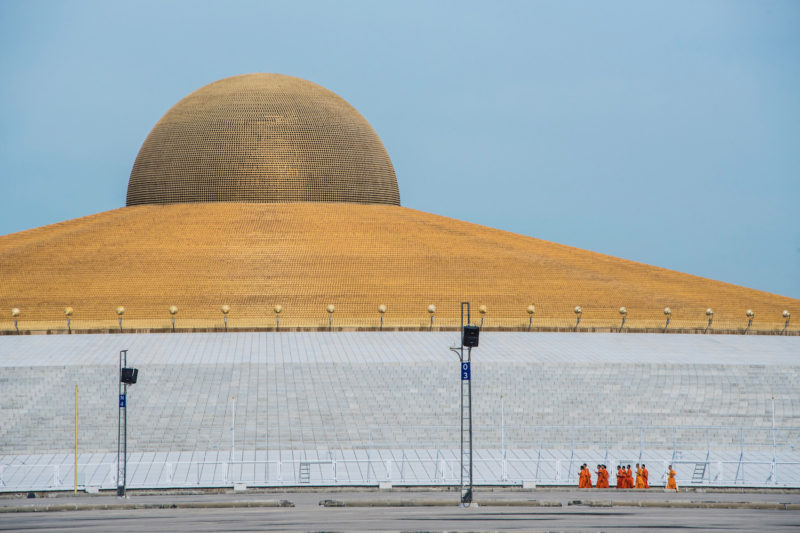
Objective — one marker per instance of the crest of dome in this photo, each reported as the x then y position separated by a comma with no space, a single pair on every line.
262,138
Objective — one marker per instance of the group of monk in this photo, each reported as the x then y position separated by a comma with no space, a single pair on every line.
624,479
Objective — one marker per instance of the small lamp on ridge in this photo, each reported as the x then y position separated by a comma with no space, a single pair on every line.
432,312
68,314
173,310
382,311
120,311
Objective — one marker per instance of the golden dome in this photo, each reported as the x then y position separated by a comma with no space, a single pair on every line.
262,138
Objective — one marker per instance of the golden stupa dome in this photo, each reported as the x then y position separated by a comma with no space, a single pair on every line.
262,138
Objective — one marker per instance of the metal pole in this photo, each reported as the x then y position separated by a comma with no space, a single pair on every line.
774,470
469,358
122,428
466,412
76,440
125,441
502,427
233,426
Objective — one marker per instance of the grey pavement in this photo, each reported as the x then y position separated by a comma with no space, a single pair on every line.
308,515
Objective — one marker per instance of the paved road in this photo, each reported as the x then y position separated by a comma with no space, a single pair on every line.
309,516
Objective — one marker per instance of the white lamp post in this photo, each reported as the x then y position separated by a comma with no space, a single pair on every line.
531,311
68,314
173,310
668,314
432,312
750,316
330,309
15,315
225,310
382,311
120,311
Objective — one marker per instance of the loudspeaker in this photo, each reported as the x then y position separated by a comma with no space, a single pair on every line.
470,336
129,375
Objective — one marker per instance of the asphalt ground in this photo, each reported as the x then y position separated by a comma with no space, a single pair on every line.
400,510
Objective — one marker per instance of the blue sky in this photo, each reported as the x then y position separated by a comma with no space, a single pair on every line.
662,132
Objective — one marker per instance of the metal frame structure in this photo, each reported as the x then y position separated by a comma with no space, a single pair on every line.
466,411
122,428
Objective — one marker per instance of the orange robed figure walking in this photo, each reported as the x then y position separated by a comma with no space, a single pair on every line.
671,484
602,477
620,478
629,478
588,476
645,475
639,477
582,478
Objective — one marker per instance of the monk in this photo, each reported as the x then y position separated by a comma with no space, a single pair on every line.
620,478
588,476
639,477
645,474
602,477
671,484
629,478
582,478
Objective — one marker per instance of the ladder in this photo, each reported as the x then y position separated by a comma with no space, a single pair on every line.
304,475
699,472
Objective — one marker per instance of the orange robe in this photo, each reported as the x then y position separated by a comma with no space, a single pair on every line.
588,478
629,479
620,479
639,479
582,479
645,473
671,481
602,478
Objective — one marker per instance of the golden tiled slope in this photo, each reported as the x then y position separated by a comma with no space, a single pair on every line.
262,138
304,256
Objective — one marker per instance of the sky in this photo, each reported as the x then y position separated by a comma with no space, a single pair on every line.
665,132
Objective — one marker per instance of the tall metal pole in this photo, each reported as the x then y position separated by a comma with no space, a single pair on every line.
502,427
466,433
233,427
466,411
76,439
774,469
122,428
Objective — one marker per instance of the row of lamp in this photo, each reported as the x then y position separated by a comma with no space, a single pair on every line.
382,308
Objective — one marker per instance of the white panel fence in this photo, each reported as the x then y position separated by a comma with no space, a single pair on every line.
765,458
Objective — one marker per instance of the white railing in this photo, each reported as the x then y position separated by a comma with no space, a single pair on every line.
545,455
370,472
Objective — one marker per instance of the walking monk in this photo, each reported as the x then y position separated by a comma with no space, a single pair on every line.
645,473
588,476
582,484
639,477
629,478
620,478
671,481
602,477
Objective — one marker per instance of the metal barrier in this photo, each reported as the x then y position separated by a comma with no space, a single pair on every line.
545,455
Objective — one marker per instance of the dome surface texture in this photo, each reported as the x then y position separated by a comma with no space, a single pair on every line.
262,138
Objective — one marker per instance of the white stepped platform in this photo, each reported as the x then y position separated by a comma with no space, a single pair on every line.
380,392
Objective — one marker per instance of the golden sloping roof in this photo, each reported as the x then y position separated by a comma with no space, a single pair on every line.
262,138
305,256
